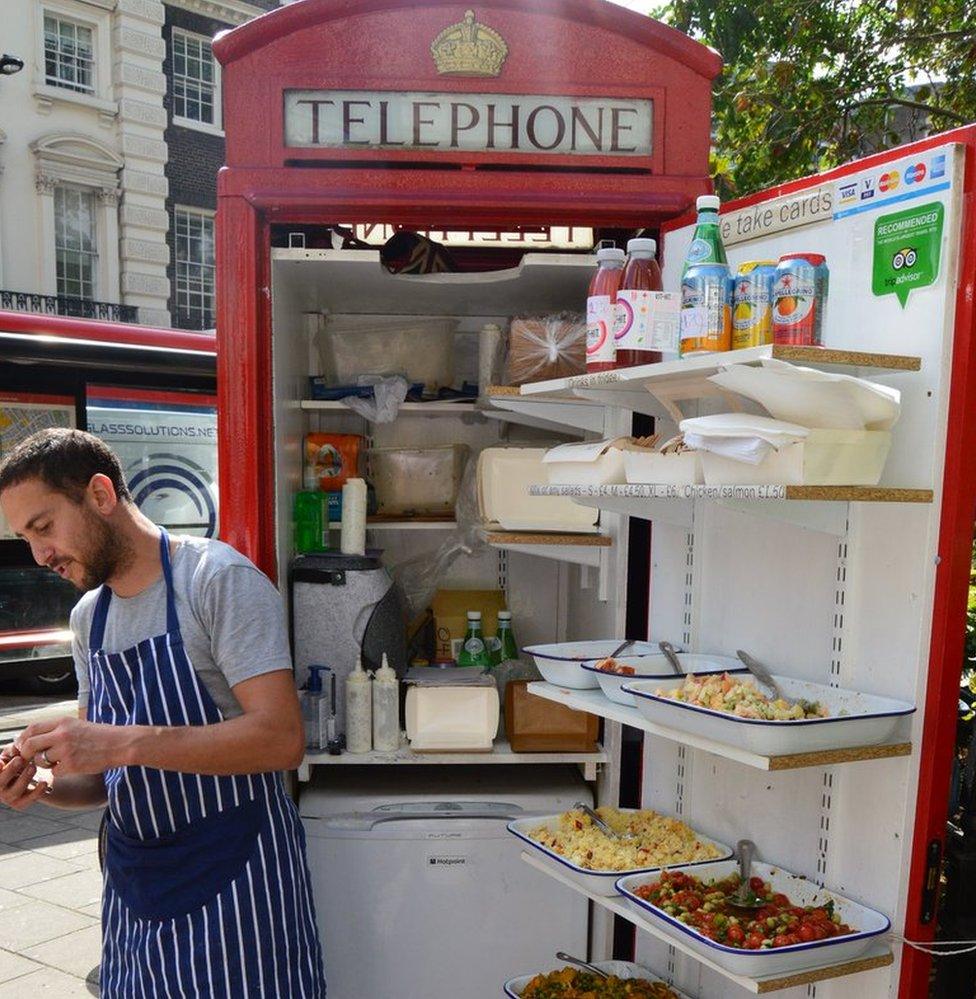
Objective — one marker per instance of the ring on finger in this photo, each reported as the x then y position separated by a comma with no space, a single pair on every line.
45,762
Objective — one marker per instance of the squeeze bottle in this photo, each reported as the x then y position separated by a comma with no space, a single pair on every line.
386,709
359,711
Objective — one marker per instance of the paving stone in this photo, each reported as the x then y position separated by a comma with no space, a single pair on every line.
72,891
13,965
36,922
67,844
75,953
45,984
27,868
11,899
15,827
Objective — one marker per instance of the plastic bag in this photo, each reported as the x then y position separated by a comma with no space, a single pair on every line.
388,395
543,347
419,578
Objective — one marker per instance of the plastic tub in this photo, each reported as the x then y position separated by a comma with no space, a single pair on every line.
600,463
778,960
621,969
599,882
674,469
866,719
560,662
417,481
824,458
657,667
419,347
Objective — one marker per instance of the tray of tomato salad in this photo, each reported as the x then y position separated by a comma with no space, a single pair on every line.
800,925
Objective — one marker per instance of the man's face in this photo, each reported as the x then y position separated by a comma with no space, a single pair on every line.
72,538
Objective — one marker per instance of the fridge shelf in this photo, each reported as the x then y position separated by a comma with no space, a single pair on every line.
879,955
596,703
354,281
818,508
501,754
655,389
569,415
433,408
579,549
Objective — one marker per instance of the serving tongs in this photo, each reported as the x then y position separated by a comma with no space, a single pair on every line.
600,824
765,678
744,897
561,955
671,654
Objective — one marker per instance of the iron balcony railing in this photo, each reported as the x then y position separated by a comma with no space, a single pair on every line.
67,305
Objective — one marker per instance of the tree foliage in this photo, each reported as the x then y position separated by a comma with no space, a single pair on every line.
809,84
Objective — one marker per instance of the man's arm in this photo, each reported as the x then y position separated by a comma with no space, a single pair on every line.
269,735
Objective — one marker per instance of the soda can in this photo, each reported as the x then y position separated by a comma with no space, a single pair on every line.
800,299
706,310
752,304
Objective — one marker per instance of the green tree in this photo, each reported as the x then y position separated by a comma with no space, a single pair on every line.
809,84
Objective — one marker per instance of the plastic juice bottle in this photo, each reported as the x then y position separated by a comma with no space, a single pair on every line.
474,652
632,333
706,310
601,302
706,243
311,522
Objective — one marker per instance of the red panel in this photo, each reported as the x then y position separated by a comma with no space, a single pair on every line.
95,331
39,400
10,640
122,394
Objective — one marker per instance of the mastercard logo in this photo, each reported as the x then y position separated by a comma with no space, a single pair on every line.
889,181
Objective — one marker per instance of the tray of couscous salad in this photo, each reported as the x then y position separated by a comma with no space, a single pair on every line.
732,709
647,841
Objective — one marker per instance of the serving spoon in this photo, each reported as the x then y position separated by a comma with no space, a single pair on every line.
671,654
600,824
744,897
760,673
561,955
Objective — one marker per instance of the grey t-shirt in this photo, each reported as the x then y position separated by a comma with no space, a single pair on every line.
230,614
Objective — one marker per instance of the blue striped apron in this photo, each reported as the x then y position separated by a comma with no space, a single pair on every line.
206,890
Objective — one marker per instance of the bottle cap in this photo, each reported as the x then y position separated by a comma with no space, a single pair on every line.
491,328
610,254
359,674
504,615
385,673
314,685
642,246
311,480
708,202
474,615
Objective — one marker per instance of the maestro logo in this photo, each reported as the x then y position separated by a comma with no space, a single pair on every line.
889,181
915,174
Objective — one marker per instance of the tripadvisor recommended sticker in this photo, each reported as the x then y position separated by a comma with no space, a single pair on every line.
907,246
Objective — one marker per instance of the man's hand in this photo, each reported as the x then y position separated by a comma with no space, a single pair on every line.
17,789
72,746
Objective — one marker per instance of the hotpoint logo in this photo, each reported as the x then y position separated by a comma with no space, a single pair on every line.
915,174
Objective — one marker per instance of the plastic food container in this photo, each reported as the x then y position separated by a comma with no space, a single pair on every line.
597,463
600,882
621,969
646,465
779,960
560,662
452,719
504,477
419,347
657,667
866,719
417,481
824,458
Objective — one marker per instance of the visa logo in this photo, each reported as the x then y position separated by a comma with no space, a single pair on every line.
938,166
867,188
848,192
915,174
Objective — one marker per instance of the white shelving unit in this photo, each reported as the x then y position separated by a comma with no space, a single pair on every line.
878,955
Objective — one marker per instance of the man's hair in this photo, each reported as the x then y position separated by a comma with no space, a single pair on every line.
64,460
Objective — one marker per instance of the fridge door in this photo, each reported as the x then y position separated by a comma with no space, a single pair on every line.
432,901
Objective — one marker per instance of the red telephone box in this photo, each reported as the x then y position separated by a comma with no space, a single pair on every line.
428,114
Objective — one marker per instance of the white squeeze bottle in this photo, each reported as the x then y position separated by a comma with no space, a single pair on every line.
359,711
386,709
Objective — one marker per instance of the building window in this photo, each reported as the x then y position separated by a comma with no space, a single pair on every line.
69,55
194,239
195,80
75,242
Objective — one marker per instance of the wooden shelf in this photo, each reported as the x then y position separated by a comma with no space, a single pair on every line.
435,408
354,281
879,954
579,549
594,702
379,523
501,754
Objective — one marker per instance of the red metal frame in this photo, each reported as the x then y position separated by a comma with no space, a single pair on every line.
122,394
13,640
955,547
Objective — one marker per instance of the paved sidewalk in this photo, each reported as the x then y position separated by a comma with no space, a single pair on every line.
50,891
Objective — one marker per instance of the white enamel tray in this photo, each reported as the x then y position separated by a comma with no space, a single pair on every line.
560,662
854,719
658,668
778,960
599,882
622,969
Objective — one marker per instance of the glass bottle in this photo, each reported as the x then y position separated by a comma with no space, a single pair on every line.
474,652
601,304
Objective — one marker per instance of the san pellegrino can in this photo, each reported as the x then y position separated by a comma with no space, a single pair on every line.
706,314
800,299
752,304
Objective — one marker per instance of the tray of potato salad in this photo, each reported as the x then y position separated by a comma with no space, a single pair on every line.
647,841
734,710
625,981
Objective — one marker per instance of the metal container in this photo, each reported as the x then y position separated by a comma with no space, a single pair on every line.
800,299
752,304
706,311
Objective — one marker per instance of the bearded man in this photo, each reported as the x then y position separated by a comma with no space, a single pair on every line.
188,712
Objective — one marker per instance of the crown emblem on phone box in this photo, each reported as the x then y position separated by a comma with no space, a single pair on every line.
469,49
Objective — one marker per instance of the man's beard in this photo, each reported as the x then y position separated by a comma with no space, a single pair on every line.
107,552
